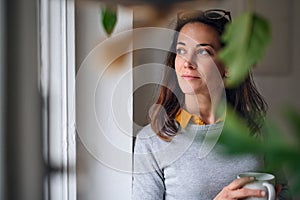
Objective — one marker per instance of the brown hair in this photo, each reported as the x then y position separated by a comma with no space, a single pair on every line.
245,98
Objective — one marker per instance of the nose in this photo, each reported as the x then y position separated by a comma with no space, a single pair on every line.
189,64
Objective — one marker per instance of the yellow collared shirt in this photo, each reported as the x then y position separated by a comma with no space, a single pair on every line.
183,118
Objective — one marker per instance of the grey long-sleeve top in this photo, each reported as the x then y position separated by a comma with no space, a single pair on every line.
190,167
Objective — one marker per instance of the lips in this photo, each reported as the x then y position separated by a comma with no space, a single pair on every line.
190,77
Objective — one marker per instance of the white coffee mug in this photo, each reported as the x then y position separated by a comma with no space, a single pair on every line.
263,181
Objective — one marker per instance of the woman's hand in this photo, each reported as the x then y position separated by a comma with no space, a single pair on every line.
235,191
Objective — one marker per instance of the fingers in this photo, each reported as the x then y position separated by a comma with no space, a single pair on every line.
239,192
235,190
244,192
240,182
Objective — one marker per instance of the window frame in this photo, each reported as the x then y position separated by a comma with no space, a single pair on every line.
57,86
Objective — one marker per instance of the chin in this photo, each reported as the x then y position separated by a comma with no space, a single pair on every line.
189,90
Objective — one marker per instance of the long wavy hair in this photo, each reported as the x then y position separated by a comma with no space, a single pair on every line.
245,98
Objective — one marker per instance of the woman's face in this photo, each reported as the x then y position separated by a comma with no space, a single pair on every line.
196,65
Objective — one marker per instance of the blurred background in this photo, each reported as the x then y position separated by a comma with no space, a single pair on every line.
43,45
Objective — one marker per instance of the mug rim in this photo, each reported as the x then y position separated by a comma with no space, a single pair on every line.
255,174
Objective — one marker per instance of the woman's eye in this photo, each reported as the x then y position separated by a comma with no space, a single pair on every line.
180,51
204,52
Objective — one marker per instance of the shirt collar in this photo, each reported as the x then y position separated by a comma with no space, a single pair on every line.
183,118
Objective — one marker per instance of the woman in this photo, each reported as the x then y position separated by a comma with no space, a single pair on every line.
169,162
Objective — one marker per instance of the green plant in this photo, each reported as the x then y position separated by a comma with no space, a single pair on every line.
280,152
109,18
247,38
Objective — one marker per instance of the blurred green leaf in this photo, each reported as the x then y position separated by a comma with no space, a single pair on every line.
236,137
294,121
246,39
296,186
109,18
278,151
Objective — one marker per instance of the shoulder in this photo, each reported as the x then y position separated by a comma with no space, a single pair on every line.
147,140
143,142
146,131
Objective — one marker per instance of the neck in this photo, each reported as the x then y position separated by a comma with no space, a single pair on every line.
204,105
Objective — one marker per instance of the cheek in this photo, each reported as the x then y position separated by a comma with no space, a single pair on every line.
211,67
178,63
206,67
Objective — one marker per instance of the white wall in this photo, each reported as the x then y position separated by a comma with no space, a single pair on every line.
104,147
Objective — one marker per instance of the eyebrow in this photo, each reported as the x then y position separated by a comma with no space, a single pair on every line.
198,45
182,43
203,45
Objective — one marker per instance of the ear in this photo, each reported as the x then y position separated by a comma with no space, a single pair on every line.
226,74
225,78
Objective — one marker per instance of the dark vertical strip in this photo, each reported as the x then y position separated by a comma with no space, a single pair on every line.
23,111
2,97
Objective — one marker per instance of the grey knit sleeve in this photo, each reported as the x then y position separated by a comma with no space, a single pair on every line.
148,178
